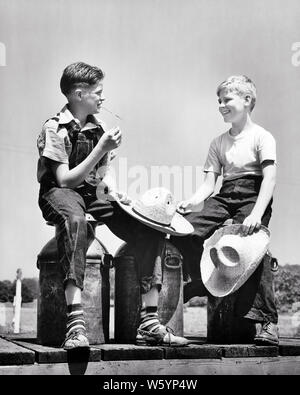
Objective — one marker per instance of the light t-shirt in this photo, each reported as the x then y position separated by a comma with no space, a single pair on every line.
241,155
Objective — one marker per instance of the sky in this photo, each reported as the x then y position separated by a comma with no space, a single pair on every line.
163,60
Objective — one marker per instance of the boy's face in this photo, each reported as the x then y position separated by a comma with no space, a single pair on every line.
92,98
233,107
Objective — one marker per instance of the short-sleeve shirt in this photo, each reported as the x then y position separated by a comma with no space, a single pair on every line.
241,155
63,140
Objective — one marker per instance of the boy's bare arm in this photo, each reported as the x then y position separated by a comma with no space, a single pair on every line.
205,190
265,195
67,178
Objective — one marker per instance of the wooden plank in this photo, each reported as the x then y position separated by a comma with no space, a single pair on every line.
248,350
193,352
225,366
126,352
289,349
44,354
12,354
290,340
196,339
288,346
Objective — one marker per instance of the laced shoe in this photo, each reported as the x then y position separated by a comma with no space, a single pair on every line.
267,334
75,339
162,336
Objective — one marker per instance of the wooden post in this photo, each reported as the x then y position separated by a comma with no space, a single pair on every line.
17,302
223,326
2,315
51,314
128,295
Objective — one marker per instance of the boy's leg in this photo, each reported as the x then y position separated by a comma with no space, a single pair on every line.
148,246
76,330
214,213
66,209
256,299
150,330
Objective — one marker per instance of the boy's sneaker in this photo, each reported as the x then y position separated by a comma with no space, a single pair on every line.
76,339
267,334
163,336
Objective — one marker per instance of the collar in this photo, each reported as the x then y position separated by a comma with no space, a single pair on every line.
65,117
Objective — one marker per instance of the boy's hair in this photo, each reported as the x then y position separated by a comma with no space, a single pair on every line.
242,85
79,74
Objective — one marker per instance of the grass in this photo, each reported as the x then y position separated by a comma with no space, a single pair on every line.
28,318
195,320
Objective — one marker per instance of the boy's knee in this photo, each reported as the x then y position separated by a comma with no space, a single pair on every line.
75,225
78,220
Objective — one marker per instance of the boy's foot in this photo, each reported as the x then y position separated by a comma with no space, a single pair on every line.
192,289
162,336
267,334
76,339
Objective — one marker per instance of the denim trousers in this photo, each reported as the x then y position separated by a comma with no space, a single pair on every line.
255,299
66,208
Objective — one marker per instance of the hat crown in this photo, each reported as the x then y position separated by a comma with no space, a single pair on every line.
156,204
229,255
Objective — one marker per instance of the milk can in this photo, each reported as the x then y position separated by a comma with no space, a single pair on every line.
128,293
51,316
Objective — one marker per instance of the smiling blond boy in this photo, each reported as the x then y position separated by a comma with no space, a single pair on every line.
245,155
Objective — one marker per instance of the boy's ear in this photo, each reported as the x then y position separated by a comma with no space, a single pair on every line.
78,93
248,99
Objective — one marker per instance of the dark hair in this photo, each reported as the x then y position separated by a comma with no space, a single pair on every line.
79,74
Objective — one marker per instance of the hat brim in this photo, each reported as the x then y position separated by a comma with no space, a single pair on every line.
178,227
214,281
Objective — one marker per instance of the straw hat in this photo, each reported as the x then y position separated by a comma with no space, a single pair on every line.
156,208
229,258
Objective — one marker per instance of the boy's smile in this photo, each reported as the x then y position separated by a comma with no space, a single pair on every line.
233,107
92,98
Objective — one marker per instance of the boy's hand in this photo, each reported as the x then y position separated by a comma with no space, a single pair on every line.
110,139
121,196
187,206
252,223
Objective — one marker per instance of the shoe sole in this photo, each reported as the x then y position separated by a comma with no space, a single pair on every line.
265,342
86,345
72,348
142,339
140,342
160,345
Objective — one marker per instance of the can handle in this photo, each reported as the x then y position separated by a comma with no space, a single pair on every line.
274,264
108,261
170,257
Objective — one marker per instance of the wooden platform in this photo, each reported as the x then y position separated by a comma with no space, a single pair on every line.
23,356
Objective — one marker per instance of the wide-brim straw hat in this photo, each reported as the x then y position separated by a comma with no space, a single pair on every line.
156,208
230,257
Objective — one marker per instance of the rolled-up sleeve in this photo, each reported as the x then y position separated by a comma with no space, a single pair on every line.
266,147
212,163
52,145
